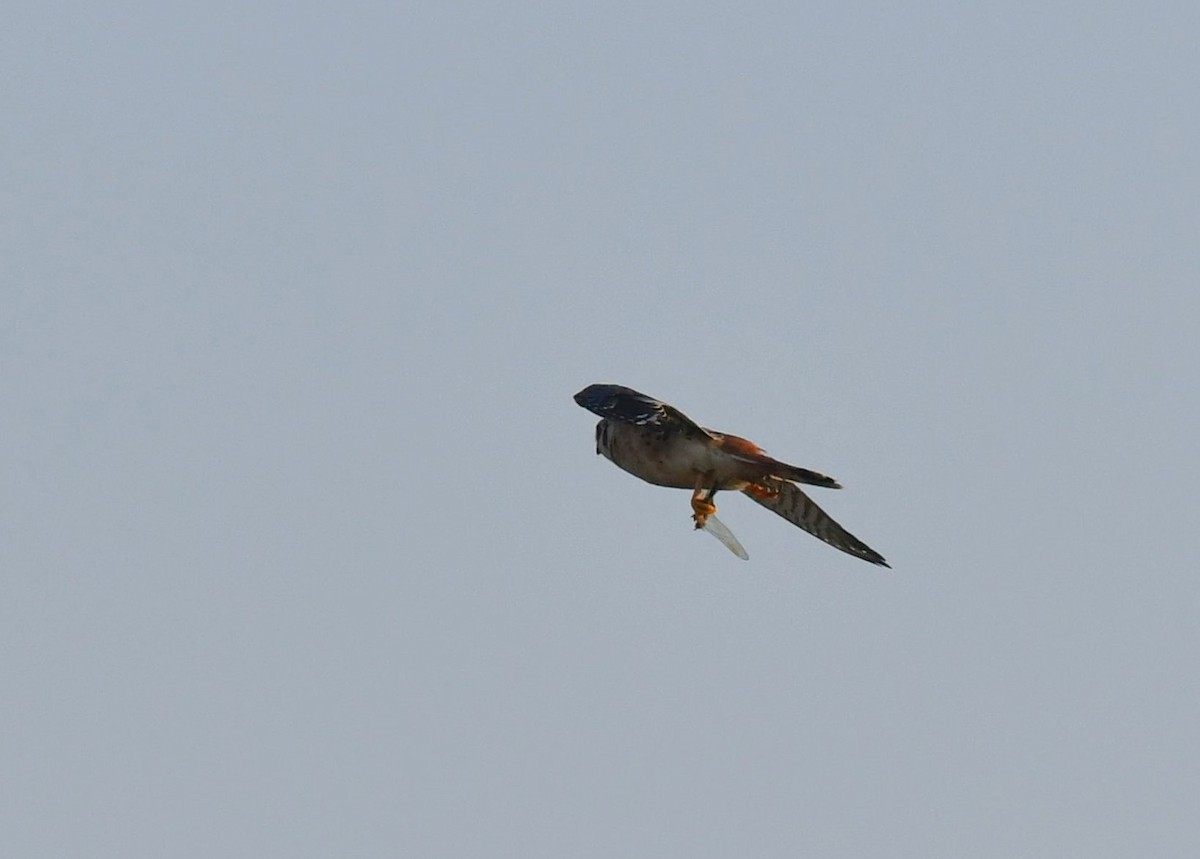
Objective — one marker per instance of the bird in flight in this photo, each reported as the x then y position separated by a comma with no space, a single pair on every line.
662,445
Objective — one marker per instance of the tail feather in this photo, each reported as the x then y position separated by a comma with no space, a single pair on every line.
790,502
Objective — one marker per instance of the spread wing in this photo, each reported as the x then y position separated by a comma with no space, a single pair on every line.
618,403
793,505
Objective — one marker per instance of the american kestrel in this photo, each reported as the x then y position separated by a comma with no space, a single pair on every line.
661,445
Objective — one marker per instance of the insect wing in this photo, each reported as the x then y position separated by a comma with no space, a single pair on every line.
717,528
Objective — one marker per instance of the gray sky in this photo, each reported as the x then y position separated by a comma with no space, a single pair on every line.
305,548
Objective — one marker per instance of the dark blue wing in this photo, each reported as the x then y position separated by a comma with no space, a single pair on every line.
618,403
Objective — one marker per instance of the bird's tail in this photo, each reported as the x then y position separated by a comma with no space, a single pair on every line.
789,501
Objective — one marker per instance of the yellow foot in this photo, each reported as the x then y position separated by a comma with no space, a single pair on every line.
702,508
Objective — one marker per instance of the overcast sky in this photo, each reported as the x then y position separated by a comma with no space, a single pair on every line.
304,547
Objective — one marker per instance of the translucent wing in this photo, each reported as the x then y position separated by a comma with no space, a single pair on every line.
717,528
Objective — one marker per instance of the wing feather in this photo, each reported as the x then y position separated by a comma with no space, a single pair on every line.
618,403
